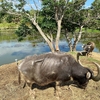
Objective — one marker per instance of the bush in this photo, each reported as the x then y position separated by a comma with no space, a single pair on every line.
23,31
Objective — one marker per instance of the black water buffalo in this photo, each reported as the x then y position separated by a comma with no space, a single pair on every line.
89,47
55,67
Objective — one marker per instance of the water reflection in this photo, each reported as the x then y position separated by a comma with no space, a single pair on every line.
9,51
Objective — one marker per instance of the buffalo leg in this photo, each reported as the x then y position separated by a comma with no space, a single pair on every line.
58,91
84,53
32,93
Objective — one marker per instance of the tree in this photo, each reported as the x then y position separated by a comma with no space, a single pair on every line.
75,18
23,30
96,9
2,14
95,13
59,7
53,13
9,18
55,10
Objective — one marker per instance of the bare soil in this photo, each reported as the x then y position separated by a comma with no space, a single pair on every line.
11,90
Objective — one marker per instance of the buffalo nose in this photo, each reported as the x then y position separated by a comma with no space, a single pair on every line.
83,86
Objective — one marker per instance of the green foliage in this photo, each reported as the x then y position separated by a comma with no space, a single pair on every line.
96,6
48,22
95,13
2,14
23,30
48,25
78,4
20,5
9,18
6,5
25,20
20,38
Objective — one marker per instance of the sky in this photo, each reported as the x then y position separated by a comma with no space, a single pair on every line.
87,4
37,2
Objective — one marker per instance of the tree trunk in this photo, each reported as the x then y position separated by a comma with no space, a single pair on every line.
43,35
58,35
68,39
77,38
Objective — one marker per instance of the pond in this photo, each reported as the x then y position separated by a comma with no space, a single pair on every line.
9,51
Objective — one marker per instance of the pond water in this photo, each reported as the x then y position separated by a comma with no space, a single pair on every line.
9,51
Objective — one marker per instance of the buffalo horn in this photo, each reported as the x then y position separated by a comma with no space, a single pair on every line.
97,78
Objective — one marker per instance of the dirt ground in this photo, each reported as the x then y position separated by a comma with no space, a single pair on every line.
11,90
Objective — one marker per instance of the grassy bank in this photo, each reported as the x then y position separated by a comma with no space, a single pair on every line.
8,25
7,31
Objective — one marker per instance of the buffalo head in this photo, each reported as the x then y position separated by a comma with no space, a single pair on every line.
83,79
89,47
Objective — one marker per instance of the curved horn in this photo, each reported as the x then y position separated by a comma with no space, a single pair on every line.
83,53
96,78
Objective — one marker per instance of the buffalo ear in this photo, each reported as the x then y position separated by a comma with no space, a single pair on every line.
88,75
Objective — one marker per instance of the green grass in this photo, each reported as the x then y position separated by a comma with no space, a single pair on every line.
74,53
7,31
89,30
92,31
8,25
85,58
8,37
93,60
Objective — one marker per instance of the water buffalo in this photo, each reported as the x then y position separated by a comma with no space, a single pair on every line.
89,47
55,67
